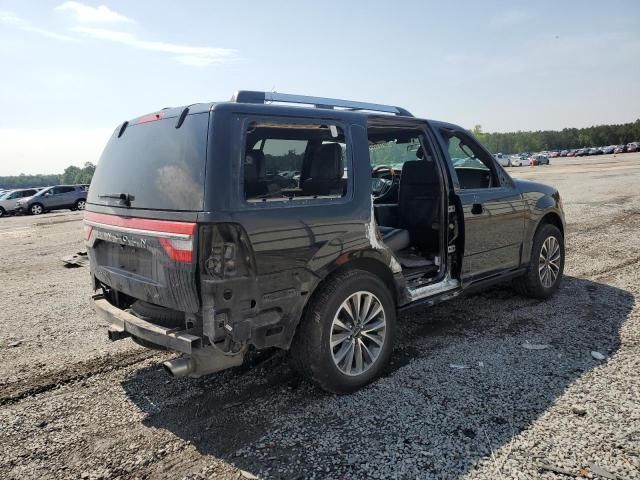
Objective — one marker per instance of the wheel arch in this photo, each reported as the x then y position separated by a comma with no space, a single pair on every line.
551,218
371,264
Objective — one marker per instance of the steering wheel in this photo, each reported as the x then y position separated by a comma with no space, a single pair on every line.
382,168
381,186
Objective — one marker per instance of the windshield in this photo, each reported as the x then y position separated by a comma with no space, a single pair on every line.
4,195
393,153
155,165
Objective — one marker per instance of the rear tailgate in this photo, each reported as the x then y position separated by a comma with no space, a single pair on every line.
152,260
149,177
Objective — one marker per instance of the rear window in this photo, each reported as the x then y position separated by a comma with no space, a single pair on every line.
158,166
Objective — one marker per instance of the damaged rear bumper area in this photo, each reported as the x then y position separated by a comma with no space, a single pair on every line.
198,359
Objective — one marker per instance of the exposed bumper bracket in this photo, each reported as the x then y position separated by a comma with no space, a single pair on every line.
123,324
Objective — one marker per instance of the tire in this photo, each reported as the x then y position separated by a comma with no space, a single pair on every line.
337,369
2,212
158,315
80,204
534,283
36,209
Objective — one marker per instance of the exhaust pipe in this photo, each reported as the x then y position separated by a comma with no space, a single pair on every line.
203,361
180,367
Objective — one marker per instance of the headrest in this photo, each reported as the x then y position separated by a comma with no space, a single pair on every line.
420,153
254,165
327,162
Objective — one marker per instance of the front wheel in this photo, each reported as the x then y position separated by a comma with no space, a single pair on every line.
36,209
546,266
346,335
2,212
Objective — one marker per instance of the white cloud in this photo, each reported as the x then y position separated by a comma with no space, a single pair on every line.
87,14
49,150
11,19
189,55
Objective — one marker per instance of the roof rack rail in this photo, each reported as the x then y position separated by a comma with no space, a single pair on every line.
248,96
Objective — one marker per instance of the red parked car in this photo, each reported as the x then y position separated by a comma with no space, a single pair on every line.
538,160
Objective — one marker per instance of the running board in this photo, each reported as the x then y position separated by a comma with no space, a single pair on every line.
445,285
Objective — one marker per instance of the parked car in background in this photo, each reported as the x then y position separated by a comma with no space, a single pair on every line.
564,153
594,151
517,161
10,198
633,147
502,159
554,154
608,150
581,152
73,197
571,153
538,159
620,149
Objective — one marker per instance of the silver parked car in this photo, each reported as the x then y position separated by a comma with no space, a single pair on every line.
10,198
73,197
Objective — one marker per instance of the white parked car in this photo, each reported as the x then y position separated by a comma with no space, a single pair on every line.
503,160
518,161
8,200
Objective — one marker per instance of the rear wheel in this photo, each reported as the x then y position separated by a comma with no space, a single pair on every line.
80,204
546,265
2,212
346,335
36,209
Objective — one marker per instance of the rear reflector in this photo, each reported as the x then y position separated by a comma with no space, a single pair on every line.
176,238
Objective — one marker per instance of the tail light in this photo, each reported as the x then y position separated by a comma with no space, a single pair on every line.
225,251
88,230
178,249
175,238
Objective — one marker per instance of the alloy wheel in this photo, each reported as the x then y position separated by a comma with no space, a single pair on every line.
357,333
81,204
549,261
36,209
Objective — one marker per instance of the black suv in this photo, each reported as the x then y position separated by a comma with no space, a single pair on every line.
218,228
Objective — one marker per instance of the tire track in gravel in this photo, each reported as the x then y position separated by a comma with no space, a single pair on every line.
15,391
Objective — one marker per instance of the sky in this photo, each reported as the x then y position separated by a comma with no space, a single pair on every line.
71,71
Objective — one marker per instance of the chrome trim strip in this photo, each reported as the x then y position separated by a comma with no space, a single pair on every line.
137,231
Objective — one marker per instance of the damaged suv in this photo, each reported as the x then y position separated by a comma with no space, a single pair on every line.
304,224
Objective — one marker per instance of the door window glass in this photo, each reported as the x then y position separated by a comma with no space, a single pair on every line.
473,166
293,162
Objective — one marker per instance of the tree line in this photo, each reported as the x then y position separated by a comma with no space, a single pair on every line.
509,142
72,175
565,139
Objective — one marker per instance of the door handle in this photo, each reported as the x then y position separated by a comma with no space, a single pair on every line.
476,209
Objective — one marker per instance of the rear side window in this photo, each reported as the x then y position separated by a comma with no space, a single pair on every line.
294,161
158,166
58,190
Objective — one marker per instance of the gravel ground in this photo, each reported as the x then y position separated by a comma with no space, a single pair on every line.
462,398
